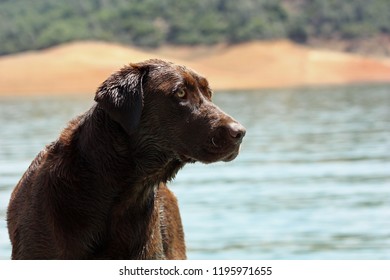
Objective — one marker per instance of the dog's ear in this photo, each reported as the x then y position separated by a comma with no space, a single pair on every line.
121,96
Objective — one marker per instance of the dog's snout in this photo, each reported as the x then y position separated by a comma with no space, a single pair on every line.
236,130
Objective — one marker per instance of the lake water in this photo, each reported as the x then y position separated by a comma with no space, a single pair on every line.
312,180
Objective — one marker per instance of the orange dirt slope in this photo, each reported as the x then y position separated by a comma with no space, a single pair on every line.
80,67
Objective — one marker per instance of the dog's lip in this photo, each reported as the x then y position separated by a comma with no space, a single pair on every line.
225,154
233,154
225,149
210,153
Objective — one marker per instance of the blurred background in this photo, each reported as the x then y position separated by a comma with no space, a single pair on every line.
308,79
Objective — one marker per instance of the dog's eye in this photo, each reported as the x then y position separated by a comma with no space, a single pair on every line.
181,93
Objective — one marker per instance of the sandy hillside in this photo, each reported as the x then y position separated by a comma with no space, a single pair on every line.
82,66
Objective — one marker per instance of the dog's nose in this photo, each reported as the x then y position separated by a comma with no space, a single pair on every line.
236,130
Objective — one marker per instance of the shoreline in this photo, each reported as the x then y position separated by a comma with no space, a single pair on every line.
83,94
80,67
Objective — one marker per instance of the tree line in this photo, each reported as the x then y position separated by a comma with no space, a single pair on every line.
37,24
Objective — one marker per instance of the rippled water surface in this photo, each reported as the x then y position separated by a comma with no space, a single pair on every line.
312,180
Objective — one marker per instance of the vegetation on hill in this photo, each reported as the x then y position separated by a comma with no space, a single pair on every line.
26,24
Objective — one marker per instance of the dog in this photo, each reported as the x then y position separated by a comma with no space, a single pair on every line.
99,191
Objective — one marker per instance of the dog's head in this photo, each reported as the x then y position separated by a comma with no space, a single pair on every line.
170,107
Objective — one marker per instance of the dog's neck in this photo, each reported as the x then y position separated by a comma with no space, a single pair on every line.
136,169
132,159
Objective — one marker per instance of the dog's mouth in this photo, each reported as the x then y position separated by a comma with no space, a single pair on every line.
223,153
212,152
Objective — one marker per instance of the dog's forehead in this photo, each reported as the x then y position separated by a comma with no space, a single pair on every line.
191,78
172,75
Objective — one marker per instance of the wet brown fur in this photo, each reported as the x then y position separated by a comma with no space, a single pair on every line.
99,191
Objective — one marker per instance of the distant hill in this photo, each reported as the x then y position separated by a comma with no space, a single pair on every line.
82,66
345,25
